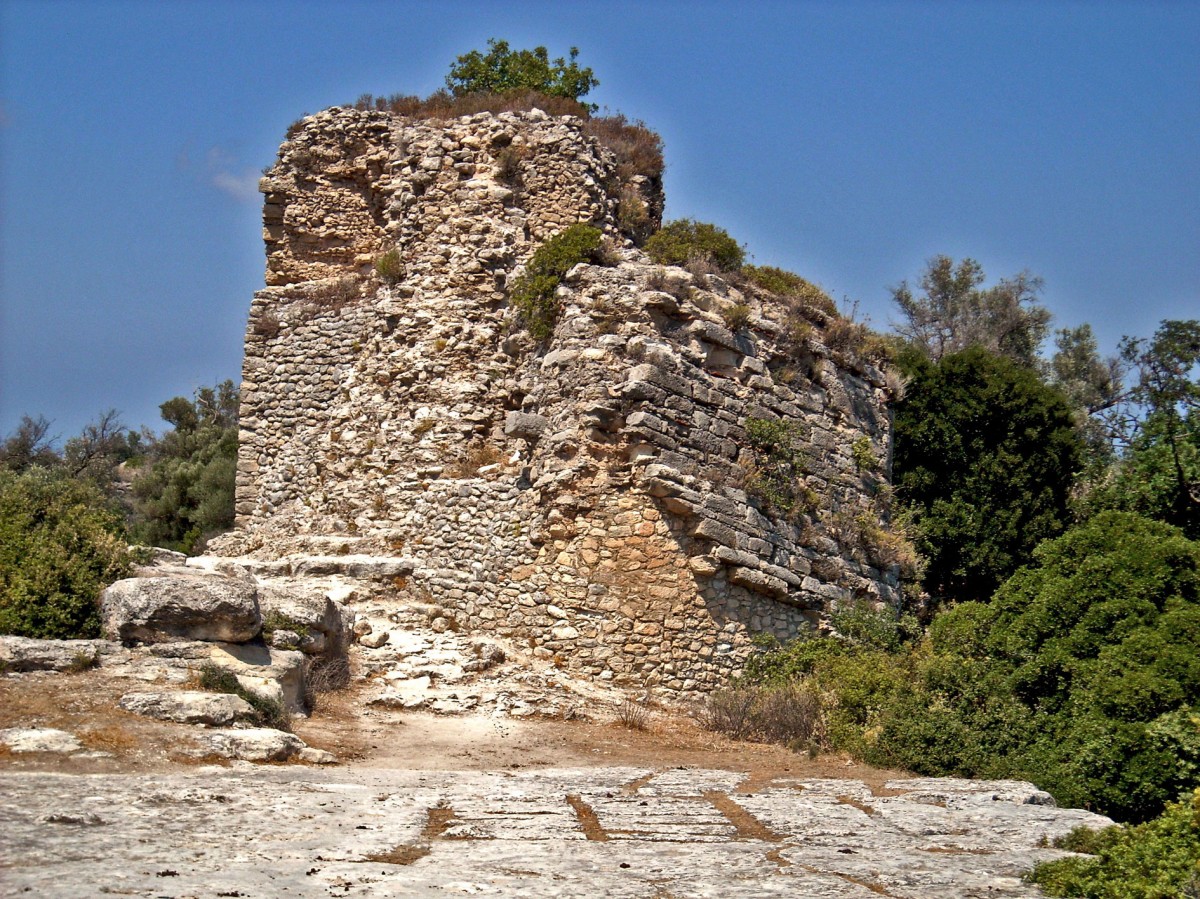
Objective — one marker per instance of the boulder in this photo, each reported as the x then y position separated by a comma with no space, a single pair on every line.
189,707
274,674
181,607
254,744
27,654
307,619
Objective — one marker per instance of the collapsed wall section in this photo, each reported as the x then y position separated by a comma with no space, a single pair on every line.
610,496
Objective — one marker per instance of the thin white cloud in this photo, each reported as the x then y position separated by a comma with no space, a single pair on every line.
242,187
219,168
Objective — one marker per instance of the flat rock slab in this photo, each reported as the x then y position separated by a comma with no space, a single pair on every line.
188,707
39,739
26,654
614,832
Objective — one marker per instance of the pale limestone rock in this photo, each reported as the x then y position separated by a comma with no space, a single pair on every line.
27,654
178,607
374,640
254,744
189,707
39,739
274,674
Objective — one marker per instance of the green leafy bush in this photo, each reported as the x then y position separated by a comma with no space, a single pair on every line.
60,544
184,492
502,70
390,267
686,240
267,712
985,457
1081,675
1159,859
790,285
775,473
532,294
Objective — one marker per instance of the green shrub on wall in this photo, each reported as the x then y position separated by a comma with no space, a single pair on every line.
532,294
686,240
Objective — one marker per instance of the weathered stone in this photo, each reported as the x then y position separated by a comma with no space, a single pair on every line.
39,739
274,674
558,832
28,654
255,744
189,707
412,436
177,607
525,425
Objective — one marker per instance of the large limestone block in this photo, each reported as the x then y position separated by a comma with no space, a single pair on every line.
274,674
27,654
188,707
255,744
181,607
304,618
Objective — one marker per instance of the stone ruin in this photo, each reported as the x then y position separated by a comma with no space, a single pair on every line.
593,496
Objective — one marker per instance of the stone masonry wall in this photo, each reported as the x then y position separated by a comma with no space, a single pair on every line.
593,496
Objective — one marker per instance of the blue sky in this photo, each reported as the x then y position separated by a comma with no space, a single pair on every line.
848,142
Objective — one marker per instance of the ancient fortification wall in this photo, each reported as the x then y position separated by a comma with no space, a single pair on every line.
588,496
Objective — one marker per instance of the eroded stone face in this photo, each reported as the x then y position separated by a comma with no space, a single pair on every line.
181,606
623,832
605,475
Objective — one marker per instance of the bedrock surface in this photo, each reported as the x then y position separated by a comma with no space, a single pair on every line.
621,832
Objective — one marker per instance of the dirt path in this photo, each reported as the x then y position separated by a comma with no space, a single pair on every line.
367,737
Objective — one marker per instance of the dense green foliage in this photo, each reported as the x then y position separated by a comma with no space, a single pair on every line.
1080,675
1156,860
66,516
685,240
184,493
61,543
985,457
502,70
533,293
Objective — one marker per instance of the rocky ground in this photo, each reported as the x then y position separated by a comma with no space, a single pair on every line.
447,764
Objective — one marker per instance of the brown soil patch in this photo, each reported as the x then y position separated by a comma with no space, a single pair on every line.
747,826
592,829
85,704
861,806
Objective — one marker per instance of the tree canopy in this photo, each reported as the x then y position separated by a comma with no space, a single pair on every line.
985,457
953,312
502,70
184,495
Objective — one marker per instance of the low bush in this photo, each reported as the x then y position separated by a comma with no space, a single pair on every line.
685,240
532,294
786,713
389,267
805,295
736,316
1154,860
1080,675
775,474
267,712
61,543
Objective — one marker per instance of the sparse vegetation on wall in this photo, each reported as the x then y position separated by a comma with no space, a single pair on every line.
533,293
685,241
